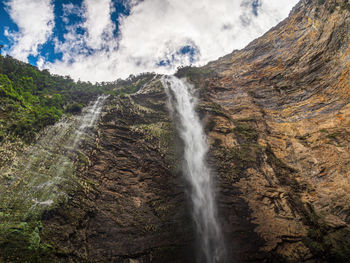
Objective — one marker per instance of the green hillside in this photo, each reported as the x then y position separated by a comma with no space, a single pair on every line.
31,99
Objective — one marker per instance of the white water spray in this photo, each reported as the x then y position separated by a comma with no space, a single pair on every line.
46,168
183,104
91,114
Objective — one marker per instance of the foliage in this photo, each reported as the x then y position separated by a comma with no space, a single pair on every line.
74,108
245,132
22,240
193,73
132,84
31,99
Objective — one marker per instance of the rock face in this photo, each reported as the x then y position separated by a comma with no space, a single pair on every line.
277,116
279,125
133,208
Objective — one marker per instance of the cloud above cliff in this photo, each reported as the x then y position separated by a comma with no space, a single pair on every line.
35,22
98,41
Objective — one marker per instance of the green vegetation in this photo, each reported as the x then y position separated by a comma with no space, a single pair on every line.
31,99
245,133
237,160
23,240
332,135
193,73
74,108
214,109
131,84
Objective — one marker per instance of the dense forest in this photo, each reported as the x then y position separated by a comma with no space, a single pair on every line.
31,99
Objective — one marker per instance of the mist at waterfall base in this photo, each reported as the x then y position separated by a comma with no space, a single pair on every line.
182,105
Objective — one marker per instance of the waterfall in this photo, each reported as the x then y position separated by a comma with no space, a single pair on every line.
182,105
91,114
45,171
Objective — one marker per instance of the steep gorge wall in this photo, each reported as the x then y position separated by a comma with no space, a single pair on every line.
277,118
280,132
133,206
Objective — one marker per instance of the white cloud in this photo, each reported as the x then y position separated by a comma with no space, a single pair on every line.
35,21
156,30
98,23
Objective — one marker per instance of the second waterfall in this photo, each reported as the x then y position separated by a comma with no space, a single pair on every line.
182,104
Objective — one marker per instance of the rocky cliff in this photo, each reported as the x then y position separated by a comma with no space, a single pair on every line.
277,116
280,133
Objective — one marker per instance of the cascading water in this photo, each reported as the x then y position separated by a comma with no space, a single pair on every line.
182,103
91,114
44,172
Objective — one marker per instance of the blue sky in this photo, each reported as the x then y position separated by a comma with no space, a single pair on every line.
47,50
102,40
5,21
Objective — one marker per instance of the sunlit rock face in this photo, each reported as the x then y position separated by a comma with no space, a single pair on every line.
276,115
278,120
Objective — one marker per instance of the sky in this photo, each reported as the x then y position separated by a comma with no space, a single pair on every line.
103,40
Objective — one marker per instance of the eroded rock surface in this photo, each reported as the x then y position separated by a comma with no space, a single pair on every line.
133,206
277,116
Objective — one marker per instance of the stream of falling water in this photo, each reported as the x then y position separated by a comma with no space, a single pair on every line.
182,104
44,172
91,115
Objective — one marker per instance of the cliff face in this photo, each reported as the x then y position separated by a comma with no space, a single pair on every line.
133,204
277,116
280,134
